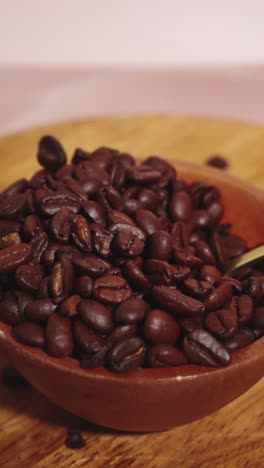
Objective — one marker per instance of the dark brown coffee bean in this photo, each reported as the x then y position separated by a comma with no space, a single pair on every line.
180,235
111,289
38,245
201,219
12,257
210,274
131,311
118,175
149,199
217,161
29,333
131,206
12,206
160,272
161,328
81,233
20,186
257,319
180,207
13,379
120,333
110,198
104,156
236,284
40,309
254,287
222,323
128,244
127,354
59,338
92,361
29,277
43,291
245,309
174,301
22,298
215,211
204,251
69,307
165,355
218,297
51,154
84,286
211,195
87,339
75,187
96,315
197,288
183,257
202,348
219,250
189,324
60,225
75,440
159,246
32,226
94,212
143,174
61,281
79,156
235,245
147,221
92,265
102,240
51,203
136,277
118,217
7,226
242,338
9,312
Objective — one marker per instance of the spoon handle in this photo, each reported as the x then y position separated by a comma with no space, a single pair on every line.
246,258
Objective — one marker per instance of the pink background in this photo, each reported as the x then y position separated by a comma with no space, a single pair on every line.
62,59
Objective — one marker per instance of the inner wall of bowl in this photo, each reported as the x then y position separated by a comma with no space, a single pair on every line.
242,201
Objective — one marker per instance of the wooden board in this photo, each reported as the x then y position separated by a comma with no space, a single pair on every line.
32,429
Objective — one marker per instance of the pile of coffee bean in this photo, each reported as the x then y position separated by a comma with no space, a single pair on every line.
121,265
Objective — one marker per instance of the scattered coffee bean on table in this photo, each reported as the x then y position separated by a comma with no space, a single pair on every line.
121,265
11,378
74,440
217,161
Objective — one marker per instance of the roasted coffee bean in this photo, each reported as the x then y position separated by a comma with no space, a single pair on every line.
200,219
110,198
69,307
60,225
218,297
38,245
64,172
96,315
159,246
143,174
160,272
174,301
75,440
75,187
222,323
136,276
219,249
51,203
87,339
127,354
111,289
22,298
30,201
257,319
197,288
20,186
117,175
211,195
59,338
79,156
61,281
183,257
161,328
32,226
131,311
236,284
118,217
104,156
12,257
244,308
44,290
202,348
181,207
147,221
204,251
9,312
253,286
128,244
10,239
7,226
235,245
84,286
29,333
13,379
29,277
210,274
81,233
94,212
215,211
165,355
120,333
92,265
189,324
102,240
149,199
40,309
126,160
242,338
51,154
217,161
12,206
180,235
131,206
91,361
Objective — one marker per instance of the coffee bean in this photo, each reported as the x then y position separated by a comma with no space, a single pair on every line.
242,338
160,272
74,440
184,257
96,315
81,233
118,175
102,239
38,245
204,251
136,277
12,257
128,244
161,328
51,154
83,286
244,309
131,310
13,379
75,187
40,309
149,199
189,324
253,286
222,323
7,226
147,221
29,333
92,265
111,289
174,301
180,235
61,281
60,225
9,312
219,249
143,174
218,297
202,348
29,277
181,207
94,212
87,339
79,155
127,354
69,307
210,274
59,339
165,355
12,206
51,203
235,245
32,226
197,288
119,333
159,246
219,162
236,284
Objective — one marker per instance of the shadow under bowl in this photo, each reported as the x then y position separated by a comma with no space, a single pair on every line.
154,399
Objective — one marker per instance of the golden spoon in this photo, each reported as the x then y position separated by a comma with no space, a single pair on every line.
255,254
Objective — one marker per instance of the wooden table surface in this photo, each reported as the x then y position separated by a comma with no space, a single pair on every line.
32,429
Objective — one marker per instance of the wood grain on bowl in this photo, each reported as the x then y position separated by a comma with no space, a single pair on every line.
231,435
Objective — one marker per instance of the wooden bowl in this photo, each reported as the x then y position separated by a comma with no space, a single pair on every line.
154,399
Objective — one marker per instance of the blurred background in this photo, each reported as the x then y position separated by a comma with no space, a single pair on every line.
69,59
